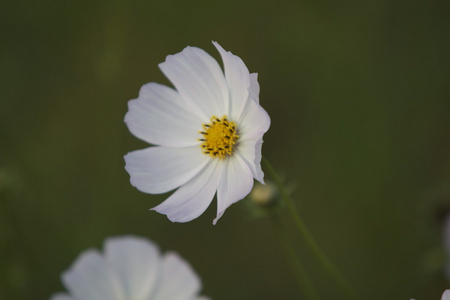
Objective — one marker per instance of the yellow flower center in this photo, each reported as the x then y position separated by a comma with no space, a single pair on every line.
219,137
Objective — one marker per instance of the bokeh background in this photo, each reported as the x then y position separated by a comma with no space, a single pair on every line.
358,93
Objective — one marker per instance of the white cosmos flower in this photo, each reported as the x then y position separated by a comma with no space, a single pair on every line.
130,268
207,134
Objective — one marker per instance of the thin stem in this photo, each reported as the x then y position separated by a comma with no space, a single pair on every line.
304,282
307,236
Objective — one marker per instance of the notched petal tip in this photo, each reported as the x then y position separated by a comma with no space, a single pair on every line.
219,215
168,215
261,179
217,45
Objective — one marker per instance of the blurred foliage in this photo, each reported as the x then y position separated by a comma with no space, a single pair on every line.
358,93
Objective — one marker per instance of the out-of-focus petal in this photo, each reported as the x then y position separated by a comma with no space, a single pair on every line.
158,170
159,116
130,268
199,80
446,295
92,278
136,262
61,296
178,280
238,79
194,197
235,184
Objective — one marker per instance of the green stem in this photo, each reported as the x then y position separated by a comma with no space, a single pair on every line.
305,284
307,236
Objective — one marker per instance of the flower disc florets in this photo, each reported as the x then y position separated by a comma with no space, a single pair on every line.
219,137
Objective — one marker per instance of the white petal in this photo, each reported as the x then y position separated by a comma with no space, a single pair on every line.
178,280
193,198
446,295
238,79
250,151
92,278
61,296
254,87
199,80
254,122
159,116
235,184
157,170
136,262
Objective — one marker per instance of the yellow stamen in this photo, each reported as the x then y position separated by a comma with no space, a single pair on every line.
219,137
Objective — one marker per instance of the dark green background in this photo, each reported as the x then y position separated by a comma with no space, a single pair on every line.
358,94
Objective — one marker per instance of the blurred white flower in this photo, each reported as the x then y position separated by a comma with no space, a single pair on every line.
130,268
208,134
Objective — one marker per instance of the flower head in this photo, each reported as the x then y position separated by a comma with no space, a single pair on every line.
130,268
207,134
